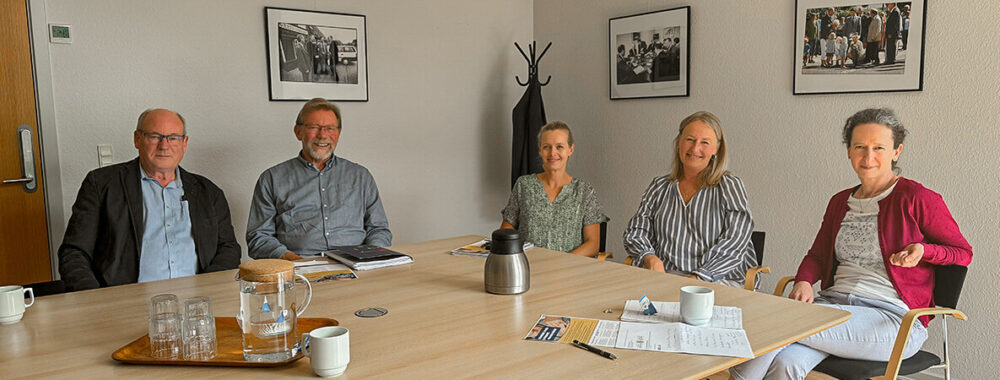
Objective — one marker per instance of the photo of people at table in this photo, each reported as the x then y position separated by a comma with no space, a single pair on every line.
649,55
856,39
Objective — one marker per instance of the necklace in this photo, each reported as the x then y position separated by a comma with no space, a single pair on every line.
687,195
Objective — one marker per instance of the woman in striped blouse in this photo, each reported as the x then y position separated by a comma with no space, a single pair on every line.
695,221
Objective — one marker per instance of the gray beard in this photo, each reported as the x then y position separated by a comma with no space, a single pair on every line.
318,157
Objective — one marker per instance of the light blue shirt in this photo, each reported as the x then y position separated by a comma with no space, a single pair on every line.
167,245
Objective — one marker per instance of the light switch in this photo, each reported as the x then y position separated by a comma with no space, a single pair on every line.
105,156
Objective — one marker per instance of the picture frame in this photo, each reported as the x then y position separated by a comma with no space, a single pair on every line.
851,68
314,54
650,54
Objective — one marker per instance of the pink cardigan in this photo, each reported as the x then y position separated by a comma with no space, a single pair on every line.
910,214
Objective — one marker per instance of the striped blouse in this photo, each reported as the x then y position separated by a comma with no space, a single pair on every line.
709,237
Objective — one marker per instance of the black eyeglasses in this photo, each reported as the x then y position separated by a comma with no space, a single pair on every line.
155,138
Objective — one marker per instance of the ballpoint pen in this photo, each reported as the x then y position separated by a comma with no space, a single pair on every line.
594,350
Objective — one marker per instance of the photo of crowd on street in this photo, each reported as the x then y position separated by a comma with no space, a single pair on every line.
320,54
857,39
649,56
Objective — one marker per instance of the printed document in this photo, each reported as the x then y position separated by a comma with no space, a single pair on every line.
725,317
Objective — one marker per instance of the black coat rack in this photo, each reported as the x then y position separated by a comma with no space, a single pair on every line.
532,63
528,118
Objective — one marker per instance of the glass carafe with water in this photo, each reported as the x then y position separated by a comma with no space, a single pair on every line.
269,309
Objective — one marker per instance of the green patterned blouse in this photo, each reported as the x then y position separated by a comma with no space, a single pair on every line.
556,225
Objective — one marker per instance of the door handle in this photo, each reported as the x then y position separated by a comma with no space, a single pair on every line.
27,161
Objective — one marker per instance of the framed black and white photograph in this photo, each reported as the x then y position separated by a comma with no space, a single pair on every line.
312,54
849,46
649,54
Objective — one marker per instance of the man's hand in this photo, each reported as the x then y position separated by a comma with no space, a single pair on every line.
291,256
909,257
654,263
802,291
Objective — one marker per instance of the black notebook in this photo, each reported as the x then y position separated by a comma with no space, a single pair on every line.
364,257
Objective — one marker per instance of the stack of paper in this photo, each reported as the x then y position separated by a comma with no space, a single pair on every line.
662,337
365,257
481,249
665,331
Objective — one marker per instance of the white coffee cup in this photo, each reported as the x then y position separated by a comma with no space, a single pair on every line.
328,349
12,303
696,305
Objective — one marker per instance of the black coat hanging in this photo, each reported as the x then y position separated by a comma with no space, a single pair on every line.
528,119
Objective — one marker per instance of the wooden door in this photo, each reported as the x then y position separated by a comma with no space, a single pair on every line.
24,246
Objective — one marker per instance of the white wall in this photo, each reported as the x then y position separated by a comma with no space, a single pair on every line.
435,133
787,148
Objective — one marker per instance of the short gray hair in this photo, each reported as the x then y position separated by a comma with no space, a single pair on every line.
880,116
142,117
318,104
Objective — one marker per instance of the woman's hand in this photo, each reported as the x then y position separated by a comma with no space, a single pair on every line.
654,263
909,257
802,291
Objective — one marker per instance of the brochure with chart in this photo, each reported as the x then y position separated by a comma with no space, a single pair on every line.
662,337
481,249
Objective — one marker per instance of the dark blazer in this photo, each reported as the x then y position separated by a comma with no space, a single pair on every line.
893,23
104,235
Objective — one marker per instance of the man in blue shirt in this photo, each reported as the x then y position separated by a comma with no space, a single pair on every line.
316,200
147,219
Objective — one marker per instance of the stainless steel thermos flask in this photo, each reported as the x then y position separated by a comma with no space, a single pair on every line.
506,270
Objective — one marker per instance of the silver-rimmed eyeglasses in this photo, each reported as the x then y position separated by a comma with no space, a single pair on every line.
154,138
313,128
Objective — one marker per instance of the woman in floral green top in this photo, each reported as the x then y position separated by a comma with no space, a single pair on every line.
552,209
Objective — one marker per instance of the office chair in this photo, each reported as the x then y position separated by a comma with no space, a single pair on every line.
757,237
948,281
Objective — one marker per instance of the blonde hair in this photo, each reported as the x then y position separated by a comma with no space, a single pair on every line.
556,126
718,165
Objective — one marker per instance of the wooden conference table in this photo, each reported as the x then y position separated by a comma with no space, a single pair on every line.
441,323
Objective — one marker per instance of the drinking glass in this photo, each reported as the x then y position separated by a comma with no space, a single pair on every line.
199,339
164,327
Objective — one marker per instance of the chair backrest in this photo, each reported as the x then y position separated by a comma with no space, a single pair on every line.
948,281
604,237
757,238
47,288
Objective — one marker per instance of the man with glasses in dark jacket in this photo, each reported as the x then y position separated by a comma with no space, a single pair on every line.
147,219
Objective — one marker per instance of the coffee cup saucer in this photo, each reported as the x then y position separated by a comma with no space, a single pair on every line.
330,372
10,319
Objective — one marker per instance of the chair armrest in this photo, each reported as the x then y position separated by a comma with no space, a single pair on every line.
751,278
892,370
603,256
782,284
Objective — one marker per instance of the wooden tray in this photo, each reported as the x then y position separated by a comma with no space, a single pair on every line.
230,346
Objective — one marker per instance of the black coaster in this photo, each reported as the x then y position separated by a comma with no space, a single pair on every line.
371,312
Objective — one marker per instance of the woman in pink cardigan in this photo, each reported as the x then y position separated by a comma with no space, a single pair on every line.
874,256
